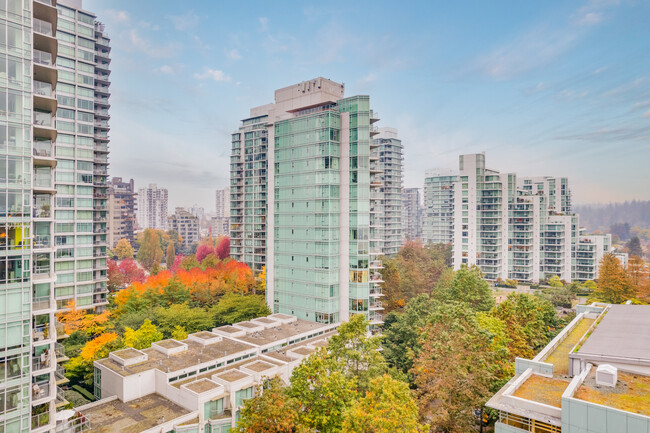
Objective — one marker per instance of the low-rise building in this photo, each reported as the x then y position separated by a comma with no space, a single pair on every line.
198,384
186,225
593,377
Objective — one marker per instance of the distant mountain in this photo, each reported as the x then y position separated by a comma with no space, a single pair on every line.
604,216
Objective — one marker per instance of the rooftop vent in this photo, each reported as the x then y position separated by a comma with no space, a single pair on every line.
606,375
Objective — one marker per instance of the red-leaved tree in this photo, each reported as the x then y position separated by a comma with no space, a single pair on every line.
223,249
203,251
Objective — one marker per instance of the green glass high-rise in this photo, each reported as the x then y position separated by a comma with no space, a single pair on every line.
318,227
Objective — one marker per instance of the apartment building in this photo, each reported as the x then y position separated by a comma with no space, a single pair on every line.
198,384
438,211
411,214
512,227
186,225
222,203
121,211
152,207
28,371
219,226
81,206
592,378
386,161
303,211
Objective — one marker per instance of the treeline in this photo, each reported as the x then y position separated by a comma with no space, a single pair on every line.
603,217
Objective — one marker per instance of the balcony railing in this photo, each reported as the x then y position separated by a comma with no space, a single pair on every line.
42,27
42,419
41,390
59,350
47,2
41,303
42,241
43,119
42,58
41,332
41,362
43,148
43,89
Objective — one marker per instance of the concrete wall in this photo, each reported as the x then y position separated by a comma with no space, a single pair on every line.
521,365
504,428
579,416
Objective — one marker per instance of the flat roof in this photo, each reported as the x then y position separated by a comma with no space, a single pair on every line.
542,389
132,417
232,375
631,393
127,353
178,361
624,332
560,356
280,332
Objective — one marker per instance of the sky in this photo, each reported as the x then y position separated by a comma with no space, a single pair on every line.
557,88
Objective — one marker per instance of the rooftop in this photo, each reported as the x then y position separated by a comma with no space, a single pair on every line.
280,332
259,366
169,344
203,385
560,356
190,357
623,333
631,393
132,417
543,390
232,375
128,353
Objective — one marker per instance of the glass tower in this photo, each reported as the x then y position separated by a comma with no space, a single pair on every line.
82,154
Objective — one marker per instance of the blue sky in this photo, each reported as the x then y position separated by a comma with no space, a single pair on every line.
544,88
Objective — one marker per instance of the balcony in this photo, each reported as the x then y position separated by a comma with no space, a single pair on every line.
42,303
42,242
41,362
41,391
41,271
44,125
59,375
42,419
43,27
41,332
60,397
59,351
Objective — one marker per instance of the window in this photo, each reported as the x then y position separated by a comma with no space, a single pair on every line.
242,395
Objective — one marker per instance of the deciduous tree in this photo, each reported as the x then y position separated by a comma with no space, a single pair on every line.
614,285
150,252
143,337
123,249
233,308
171,255
467,285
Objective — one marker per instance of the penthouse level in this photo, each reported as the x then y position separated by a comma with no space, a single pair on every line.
594,377
198,384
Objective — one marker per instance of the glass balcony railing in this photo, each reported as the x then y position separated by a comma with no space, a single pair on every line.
41,390
43,118
42,58
42,419
41,362
42,27
41,332
47,2
43,148
43,180
43,89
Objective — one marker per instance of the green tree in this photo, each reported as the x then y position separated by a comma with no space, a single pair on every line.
171,255
387,407
467,285
555,281
323,391
358,352
271,411
179,333
150,252
450,372
614,284
175,292
402,331
210,261
123,249
634,247
182,315
233,308
189,263
143,337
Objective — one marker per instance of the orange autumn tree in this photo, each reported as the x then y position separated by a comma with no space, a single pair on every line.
201,287
97,348
74,319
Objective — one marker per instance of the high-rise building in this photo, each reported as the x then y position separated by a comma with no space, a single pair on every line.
197,211
121,211
222,203
186,225
386,156
438,212
411,214
512,228
152,207
81,207
307,218
28,370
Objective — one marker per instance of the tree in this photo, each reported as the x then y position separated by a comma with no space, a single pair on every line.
179,333
467,285
555,281
614,285
171,255
358,352
189,263
233,308
203,251
449,370
181,315
413,271
210,261
143,337
323,391
150,252
387,407
261,281
634,247
402,331
223,248
81,367
271,411
123,249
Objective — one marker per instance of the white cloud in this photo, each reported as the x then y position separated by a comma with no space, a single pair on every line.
590,18
368,79
141,44
184,22
116,15
647,114
234,54
264,23
167,70
212,74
